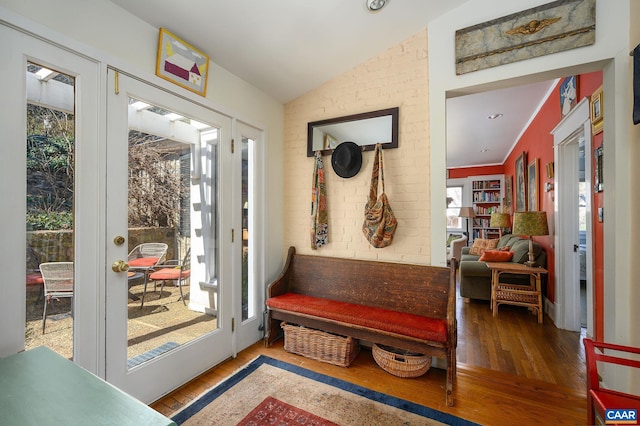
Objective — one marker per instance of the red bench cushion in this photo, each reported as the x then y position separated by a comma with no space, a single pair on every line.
376,318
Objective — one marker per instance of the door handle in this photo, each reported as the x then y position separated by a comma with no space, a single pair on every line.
576,248
120,266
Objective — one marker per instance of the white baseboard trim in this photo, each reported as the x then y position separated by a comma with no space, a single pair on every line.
550,309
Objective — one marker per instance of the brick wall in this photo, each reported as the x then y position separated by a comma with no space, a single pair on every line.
397,77
57,246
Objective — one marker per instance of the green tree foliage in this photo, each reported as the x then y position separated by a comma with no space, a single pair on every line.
50,168
154,183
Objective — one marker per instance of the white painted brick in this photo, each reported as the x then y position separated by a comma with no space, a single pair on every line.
397,77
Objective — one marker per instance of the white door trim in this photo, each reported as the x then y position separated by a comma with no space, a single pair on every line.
576,125
88,227
251,330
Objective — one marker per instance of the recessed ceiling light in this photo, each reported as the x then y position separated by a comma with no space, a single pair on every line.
494,116
375,5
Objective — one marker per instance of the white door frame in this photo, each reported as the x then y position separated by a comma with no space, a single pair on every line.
251,330
23,47
566,310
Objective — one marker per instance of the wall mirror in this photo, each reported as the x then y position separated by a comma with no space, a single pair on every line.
365,129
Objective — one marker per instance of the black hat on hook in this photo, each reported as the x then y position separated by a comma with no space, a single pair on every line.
346,159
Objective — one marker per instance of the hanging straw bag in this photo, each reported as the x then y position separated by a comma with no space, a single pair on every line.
379,222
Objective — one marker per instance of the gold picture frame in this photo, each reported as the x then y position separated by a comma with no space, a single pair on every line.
532,186
507,206
182,64
596,105
521,182
550,170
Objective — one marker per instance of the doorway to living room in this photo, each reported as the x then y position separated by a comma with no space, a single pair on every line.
549,190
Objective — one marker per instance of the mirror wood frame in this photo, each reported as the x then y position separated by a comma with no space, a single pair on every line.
393,112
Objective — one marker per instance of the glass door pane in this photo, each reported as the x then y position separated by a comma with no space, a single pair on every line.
249,302
248,308
50,209
172,187
168,163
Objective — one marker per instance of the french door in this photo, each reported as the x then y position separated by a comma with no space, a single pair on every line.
134,164
248,262
50,166
168,183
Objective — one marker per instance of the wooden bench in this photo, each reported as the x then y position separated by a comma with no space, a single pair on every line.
410,307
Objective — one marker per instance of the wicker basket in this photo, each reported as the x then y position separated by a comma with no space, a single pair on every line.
399,362
320,345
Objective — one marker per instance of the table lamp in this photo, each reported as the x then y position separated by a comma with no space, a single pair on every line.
531,224
500,220
468,213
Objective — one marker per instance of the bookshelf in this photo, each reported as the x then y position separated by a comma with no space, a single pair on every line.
486,195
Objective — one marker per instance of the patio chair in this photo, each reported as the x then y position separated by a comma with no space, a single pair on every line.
145,258
58,282
147,254
600,399
174,270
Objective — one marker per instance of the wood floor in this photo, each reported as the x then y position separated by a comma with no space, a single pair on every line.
511,370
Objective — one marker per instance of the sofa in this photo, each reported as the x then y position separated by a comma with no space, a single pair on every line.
475,277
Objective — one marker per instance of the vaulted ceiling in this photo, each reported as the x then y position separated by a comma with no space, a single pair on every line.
289,47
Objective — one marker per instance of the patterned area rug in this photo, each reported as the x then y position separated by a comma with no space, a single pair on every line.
268,391
274,412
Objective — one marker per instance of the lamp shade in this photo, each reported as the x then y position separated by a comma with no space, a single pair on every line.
467,212
530,223
500,220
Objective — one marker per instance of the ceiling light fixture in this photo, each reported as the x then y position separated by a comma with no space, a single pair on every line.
375,5
494,116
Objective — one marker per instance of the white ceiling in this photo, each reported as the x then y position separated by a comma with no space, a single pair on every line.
475,140
289,47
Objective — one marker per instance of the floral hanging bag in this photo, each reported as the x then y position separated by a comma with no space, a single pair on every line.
379,221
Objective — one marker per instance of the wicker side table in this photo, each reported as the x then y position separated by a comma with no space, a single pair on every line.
529,296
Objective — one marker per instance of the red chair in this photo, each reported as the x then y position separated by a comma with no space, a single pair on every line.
144,258
174,270
601,399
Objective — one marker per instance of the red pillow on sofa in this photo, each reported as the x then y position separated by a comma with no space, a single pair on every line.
496,256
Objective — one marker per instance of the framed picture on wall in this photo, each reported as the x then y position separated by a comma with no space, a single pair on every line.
568,94
507,204
597,114
532,186
182,64
521,183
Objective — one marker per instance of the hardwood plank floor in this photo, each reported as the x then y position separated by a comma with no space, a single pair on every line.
511,370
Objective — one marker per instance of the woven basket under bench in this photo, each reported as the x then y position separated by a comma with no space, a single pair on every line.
320,345
399,362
